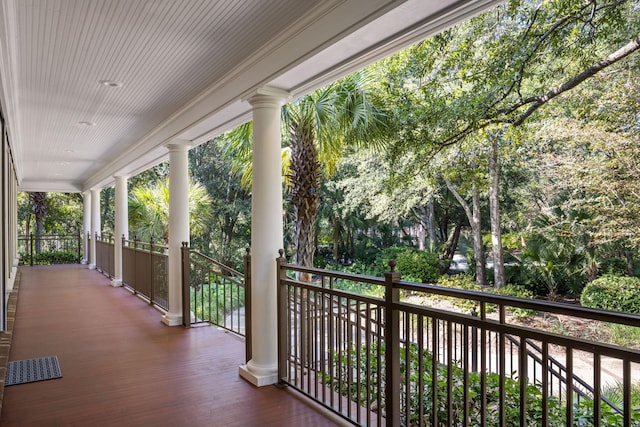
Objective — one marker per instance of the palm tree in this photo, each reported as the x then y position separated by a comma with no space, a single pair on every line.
149,210
318,128
39,203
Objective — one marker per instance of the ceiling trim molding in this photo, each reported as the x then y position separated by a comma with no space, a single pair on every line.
50,187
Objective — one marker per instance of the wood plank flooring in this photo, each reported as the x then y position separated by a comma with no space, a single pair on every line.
122,367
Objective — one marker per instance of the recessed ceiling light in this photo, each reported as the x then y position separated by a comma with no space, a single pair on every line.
69,151
86,123
110,83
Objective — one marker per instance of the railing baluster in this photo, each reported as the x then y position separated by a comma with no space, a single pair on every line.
523,381
569,387
545,384
626,388
597,387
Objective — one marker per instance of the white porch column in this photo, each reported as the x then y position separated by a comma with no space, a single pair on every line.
14,237
86,225
266,236
178,225
121,227
95,224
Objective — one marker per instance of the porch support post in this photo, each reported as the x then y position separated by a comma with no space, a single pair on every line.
178,225
95,224
86,225
266,236
14,222
121,228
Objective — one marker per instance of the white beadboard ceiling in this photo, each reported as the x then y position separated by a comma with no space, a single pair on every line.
182,69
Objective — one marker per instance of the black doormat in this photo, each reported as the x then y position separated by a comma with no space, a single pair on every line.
30,370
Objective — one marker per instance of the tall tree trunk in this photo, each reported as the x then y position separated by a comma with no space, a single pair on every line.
38,200
420,235
629,257
478,247
451,246
473,215
228,225
494,213
305,180
431,223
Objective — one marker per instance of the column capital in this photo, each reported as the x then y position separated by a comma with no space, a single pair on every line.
268,95
178,145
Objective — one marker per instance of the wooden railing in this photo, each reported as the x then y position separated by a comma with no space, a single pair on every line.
49,249
144,271
376,358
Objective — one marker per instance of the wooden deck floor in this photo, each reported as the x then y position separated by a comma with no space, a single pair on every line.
122,367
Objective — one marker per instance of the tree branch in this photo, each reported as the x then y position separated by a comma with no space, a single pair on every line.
537,101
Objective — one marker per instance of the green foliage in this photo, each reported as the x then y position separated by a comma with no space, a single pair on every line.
613,293
50,258
613,266
213,301
421,266
519,292
352,365
228,229
466,282
557,255
624,336
62,213
149,210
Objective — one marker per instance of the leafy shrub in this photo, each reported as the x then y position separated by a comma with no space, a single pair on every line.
366,384
612,266
49,258
421,266
381,263
617,293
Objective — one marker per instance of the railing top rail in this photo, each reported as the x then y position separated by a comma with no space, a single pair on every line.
138,244
360,298
337,274
221,266
538,305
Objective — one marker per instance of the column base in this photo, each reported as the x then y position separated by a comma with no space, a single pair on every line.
116,283
170,319
259,377
92,266
84,262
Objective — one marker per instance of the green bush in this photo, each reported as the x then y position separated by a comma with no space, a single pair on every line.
50,257
418,265
612,266
371,387
617,293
